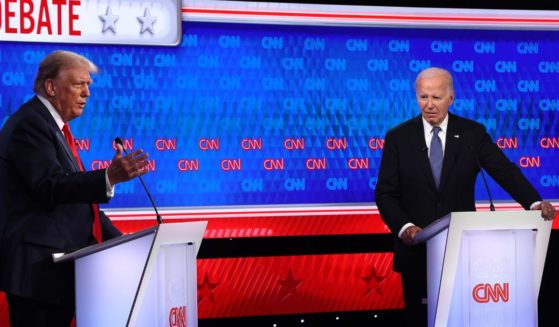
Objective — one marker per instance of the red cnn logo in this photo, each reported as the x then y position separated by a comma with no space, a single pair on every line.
177,317
482,293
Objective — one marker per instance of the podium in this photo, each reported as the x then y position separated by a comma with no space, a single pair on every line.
485,268
143,279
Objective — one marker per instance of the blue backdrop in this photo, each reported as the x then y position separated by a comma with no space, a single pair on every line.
265,114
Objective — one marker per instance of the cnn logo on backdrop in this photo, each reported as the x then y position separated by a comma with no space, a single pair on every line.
484,292
177,317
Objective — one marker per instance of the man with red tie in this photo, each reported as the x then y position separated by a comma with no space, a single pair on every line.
48,202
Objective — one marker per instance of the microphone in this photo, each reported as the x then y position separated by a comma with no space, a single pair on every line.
118,140
491,205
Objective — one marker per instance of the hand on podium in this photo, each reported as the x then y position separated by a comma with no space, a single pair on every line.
548,211
408,236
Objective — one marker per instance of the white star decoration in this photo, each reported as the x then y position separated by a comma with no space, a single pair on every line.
109,21
147,22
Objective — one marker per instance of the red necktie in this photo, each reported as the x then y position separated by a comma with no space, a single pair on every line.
95,207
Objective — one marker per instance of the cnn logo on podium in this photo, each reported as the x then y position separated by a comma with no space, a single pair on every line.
177,317
484,292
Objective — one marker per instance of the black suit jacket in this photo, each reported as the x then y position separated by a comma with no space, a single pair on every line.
45,205
406,190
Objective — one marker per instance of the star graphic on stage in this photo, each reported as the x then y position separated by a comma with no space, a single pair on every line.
109,20
206,289
147,22
373,281
289,285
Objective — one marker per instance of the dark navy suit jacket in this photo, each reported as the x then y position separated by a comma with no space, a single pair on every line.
406,190
45,205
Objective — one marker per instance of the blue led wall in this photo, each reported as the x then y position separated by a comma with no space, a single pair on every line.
264,114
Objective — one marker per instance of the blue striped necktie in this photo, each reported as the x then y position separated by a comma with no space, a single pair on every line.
436,155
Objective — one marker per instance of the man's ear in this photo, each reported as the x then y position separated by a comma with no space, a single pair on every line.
50,89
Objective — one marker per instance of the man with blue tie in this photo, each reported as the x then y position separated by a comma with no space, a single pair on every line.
428,169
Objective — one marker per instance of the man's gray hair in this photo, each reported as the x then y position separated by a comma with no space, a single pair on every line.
51,66
435,72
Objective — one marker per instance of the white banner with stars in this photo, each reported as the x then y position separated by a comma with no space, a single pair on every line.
145,22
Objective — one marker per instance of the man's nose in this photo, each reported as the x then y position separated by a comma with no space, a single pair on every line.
85,92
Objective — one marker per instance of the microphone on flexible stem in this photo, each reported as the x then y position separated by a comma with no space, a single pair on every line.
159,218
491,205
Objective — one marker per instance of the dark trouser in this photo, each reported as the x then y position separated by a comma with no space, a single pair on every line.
26,313
414,284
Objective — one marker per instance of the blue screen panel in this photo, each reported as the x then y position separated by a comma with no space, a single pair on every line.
269,114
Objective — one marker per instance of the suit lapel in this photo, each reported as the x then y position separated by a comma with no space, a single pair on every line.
62,141
44,112
453,140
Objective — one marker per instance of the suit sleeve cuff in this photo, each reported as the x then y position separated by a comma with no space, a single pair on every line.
535,204
404,228
109,187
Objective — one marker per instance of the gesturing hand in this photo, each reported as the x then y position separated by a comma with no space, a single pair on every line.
124,168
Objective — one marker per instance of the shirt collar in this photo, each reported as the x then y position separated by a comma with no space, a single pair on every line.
428,128
57,118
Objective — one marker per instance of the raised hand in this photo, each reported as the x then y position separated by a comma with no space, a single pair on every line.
124,168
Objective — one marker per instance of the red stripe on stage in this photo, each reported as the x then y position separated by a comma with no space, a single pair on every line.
275,222
277,225
242,213
236,287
